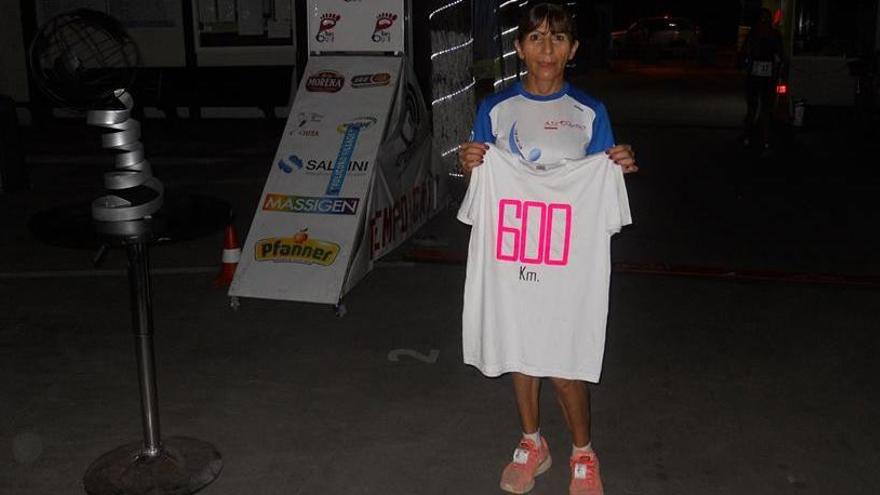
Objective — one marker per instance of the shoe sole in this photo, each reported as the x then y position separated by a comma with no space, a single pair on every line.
542,468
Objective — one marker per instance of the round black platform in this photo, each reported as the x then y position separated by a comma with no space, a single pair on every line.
181,467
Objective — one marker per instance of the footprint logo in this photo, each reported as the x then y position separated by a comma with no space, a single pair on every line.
325,26
384,21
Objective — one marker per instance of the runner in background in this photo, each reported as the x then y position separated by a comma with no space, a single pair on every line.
761,56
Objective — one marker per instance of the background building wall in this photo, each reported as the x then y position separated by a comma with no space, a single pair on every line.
13,63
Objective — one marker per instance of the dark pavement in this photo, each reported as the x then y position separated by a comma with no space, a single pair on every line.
741,340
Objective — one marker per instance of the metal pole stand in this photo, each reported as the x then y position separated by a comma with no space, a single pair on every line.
177,465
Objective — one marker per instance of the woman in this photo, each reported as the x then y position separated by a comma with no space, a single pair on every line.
544,119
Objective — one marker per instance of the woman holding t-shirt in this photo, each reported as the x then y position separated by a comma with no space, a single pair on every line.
544,119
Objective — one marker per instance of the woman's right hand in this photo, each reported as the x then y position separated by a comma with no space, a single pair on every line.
470,155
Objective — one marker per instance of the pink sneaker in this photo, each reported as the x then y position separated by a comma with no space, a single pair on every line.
529,461
585,479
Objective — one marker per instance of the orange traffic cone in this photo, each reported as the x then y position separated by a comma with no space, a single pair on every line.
231,257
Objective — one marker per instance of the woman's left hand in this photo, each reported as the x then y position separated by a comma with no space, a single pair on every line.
623,155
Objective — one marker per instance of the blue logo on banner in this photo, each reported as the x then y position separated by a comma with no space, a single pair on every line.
340,166
286,168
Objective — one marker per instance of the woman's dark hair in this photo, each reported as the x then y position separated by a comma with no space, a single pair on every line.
556,16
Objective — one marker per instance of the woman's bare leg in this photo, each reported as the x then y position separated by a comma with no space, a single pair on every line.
527,390
574,397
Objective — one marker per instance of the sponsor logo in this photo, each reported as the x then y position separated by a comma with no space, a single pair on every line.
311,204
371,80
325,27
552,125
384,21
327,165
357,122
346,150
320,167
294,161
306,118
324,166
325,81
298,248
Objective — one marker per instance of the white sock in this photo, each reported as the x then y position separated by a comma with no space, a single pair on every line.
575,450
535,437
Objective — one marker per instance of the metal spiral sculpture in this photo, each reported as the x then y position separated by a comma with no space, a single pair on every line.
84,59
135,192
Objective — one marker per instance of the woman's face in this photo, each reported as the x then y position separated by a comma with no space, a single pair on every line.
545,53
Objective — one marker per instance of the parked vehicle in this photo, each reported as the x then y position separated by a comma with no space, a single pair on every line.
656,36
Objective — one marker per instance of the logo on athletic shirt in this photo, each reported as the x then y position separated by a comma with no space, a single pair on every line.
325,27
325,81
384,21
516,146
553,125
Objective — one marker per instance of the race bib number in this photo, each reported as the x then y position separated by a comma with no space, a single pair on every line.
762,69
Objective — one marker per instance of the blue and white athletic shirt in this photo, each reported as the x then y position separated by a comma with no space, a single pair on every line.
569,124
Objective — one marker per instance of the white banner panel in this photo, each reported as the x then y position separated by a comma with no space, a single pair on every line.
313,205
410,184
356,25
398,212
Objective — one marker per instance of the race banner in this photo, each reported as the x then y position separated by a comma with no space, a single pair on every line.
312,212
356,26
410,184
394,216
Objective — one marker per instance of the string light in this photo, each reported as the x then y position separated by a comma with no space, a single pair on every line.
441,9
505,33
452,67
455,93
452,49
449,151
508,78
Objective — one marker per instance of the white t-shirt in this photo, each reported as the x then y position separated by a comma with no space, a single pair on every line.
536,293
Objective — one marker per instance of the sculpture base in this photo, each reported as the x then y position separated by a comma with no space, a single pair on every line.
181,467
